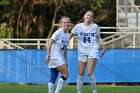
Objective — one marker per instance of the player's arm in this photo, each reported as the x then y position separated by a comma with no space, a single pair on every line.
71,35
54,37
102,45
74,31
49,44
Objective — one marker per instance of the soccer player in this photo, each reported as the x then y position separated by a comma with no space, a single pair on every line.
57,55
88,34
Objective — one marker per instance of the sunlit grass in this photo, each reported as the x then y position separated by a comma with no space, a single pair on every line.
15,88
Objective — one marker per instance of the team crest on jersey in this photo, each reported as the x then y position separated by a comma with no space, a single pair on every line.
64,44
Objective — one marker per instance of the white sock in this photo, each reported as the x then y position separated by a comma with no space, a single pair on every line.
79,83
50,87
59,86
93,83
94,91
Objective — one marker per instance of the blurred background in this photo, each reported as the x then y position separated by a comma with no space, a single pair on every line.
26,25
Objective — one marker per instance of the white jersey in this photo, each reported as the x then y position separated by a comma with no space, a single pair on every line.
86,38
61,40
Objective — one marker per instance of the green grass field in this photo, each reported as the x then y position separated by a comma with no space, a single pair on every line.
12,88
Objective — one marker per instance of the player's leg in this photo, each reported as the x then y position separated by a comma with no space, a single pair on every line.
81,69
63,69
91,66
51,83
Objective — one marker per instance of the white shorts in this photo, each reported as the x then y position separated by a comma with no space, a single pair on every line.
85,58
55,63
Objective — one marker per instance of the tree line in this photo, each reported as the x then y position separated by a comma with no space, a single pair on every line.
40,18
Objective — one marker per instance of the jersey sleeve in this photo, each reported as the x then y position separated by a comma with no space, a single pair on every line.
55,35
75,30
97,31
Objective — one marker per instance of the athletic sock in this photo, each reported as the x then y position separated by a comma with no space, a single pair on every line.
94,91
59,86
93,83
79,83
50,87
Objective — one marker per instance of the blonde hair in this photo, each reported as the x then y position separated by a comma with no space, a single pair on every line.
63,17
89,12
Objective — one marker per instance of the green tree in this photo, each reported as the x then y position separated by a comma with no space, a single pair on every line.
5,31
38,18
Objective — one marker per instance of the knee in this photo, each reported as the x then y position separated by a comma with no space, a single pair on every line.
90,74
64,78
81,74
66,75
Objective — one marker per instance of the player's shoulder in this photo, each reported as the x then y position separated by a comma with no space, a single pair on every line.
94,25
57,32
79,25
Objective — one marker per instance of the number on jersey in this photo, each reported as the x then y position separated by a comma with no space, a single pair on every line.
86,39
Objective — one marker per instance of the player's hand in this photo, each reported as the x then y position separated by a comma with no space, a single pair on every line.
47,59
103,52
